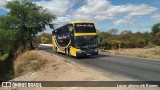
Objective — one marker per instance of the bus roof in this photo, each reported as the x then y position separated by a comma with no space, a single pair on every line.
73,22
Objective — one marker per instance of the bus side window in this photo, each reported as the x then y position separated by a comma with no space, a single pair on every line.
71,29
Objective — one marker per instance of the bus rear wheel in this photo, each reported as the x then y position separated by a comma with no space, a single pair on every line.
56,50
68,52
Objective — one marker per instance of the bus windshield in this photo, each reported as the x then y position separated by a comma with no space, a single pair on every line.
85,28
86,42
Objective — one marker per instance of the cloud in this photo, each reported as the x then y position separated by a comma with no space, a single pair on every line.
2,3
123,21
95,10
156,17
58,7
131,12
62,20
99,10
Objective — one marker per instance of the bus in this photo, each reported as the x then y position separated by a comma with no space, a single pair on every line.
76,39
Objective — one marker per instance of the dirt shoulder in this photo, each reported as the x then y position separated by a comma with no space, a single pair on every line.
148,53
61,69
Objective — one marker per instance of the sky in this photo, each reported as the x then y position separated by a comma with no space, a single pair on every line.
134,15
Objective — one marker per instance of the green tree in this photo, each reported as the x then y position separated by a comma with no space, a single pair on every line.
27,17
9,40
154,32
46,35
155,29
105,40
158,37
147,38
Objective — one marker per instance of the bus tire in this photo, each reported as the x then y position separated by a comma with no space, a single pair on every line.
56,50
68,53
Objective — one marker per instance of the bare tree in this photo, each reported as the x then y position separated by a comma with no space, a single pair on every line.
113,31
126,32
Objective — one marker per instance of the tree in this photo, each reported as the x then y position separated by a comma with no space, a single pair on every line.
8,41
44,40
27,17
154,33
155,29
126,32
147,37
113,31
158,37
46,35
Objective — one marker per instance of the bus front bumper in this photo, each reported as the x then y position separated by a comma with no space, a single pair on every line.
81,54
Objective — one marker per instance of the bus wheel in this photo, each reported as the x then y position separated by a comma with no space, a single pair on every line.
68,52
56,50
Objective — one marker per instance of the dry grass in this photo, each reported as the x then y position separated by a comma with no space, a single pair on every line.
153,52
29,61
67,61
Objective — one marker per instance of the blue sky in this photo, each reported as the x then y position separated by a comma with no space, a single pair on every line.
134,15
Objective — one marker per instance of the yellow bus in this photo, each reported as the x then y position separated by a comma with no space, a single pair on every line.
76,39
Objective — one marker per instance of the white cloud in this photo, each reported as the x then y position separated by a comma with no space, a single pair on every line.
156,17
140,10
62,19
58,7
123,21
95,10
2,3
99,10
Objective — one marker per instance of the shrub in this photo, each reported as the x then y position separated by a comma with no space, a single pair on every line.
4,67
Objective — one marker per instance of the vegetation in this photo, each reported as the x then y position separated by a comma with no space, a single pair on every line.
45,38
18,29
67,61
9,40
152,52
29,61
128,39
6,67
156,33
26,17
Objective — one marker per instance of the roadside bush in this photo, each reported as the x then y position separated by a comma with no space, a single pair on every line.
126,39
44,40
6,72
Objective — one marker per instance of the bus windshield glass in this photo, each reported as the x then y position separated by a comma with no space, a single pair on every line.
86,42
85,28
